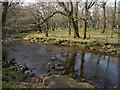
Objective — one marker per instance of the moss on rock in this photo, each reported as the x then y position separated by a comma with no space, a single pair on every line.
57,81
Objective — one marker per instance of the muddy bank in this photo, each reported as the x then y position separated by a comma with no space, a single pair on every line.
103,48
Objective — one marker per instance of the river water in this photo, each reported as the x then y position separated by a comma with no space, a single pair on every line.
99,70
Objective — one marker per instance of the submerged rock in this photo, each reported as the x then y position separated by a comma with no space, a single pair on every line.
22,67
59,68
57,81
53,58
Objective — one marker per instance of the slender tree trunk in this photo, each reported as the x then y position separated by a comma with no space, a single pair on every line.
69,22
113,23
104,13
46,30
85,22
85,30
69,26
53,27
111,35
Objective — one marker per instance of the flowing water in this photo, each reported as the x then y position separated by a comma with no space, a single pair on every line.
100,70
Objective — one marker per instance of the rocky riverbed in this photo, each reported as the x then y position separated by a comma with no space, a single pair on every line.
15,76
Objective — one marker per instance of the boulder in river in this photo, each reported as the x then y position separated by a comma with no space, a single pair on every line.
62,81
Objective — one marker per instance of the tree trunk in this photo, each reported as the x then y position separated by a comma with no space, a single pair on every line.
69,26
104,12
85,21
39,29
113,23
75,22
4,14
53,27
46,30
85,30
69,22
111,35
76,31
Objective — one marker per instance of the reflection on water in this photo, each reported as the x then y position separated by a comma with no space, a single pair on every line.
100,70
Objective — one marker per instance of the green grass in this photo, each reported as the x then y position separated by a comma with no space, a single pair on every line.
9,73
11,78
95,35
20,35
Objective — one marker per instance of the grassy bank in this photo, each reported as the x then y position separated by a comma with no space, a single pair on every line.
96,41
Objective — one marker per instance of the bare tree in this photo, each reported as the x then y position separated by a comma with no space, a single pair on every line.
87,7
43,13
5,6
69,21
96,16
103,6
72,15
114,15
118,14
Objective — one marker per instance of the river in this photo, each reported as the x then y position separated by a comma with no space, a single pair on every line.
97,69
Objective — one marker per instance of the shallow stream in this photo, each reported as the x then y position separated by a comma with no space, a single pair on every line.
100,70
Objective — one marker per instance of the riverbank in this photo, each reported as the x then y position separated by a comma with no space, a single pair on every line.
96,42
14,76
90,45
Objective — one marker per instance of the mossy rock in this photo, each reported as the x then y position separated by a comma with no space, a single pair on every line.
58,81
12,76
53,58
38,85
6,84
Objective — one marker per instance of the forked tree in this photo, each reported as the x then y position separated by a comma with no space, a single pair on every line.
87,6
72,15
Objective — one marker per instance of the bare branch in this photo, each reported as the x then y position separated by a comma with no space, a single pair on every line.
71,12
49,16
64,7
91,4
